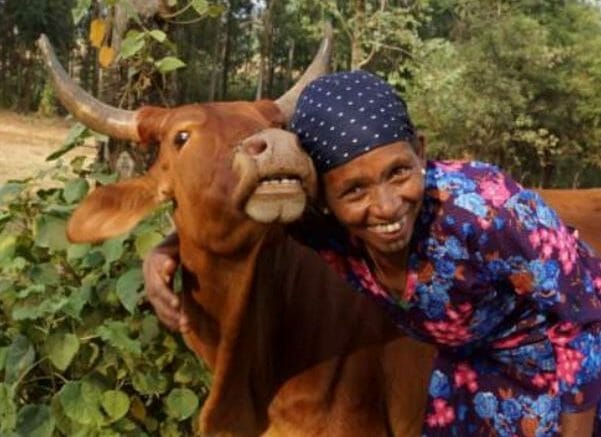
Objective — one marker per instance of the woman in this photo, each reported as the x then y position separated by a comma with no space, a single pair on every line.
460,256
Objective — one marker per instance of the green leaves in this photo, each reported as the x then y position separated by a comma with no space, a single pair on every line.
116,333
128,286
181,403
61,349
19,358
81,402
8,409
35,421
50,231
115,403
168,64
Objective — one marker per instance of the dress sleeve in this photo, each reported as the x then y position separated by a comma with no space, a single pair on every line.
524,242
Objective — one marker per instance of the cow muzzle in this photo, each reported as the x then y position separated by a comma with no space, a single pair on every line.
276,177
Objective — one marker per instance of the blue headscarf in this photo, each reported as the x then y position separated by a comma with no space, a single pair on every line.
343,115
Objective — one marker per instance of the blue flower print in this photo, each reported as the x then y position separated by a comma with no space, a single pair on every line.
543,405
439,385
486,404
455,249
432,300
445,268
473,203
511,409
546,274
546,215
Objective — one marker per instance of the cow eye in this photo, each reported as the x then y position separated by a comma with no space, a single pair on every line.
180,138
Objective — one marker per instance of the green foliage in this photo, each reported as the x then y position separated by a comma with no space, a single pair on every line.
80,352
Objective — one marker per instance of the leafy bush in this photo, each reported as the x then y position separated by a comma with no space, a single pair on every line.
81,354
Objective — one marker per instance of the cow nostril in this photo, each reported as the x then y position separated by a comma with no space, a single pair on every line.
255,146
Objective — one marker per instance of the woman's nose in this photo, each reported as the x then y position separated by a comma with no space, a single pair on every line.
385,202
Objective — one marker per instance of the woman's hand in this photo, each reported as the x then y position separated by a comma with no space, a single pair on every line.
159,267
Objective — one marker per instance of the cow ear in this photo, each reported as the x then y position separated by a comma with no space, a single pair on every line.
271,112
114,209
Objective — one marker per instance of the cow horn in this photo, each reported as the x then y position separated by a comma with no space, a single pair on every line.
319,67
98,116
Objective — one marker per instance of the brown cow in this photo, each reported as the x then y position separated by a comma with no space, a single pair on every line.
293,351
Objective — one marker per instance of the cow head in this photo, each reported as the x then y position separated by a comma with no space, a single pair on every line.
230,164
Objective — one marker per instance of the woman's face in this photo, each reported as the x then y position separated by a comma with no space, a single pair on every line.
377,196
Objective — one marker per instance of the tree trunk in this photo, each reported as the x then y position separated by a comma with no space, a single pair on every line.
357,52
225,53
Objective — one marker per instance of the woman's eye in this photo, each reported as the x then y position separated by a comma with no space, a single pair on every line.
400,171
180,138
353,192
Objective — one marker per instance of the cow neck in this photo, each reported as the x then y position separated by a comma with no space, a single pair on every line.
223,287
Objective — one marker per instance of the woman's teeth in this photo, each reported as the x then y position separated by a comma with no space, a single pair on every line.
387,228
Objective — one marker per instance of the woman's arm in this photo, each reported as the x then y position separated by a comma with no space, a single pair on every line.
159,266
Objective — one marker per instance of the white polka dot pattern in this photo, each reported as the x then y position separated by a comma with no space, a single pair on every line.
335,123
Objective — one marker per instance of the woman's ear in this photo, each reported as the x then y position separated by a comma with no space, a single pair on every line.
420,146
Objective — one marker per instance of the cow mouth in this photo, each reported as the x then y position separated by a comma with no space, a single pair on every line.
277,198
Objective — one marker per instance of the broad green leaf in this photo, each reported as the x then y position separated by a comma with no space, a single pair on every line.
75,137
8,244
158,35
149,381
200,6
80,10
75,189
78,298
189,372
35,421
215,11
116,333
149,330
49,232
61,349
81,402
8,409
181,403
3,353
31,290
38,306
132,44
128,286
146,241
115,403
19,358
113,249
77,251
44,274
10,190
169,63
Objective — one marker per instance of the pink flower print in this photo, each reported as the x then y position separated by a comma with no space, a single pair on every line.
366,278
484,223
597,283
534,239
455,331
546,379
443,414
410,286
569,362
465,376
494,190
562,333
509,342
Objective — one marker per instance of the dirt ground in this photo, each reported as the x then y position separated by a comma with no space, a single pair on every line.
26,141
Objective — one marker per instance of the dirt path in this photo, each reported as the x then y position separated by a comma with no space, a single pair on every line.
26,141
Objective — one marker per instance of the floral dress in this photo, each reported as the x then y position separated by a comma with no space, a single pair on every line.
507,293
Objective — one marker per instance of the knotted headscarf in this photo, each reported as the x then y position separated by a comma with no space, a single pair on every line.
343,115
